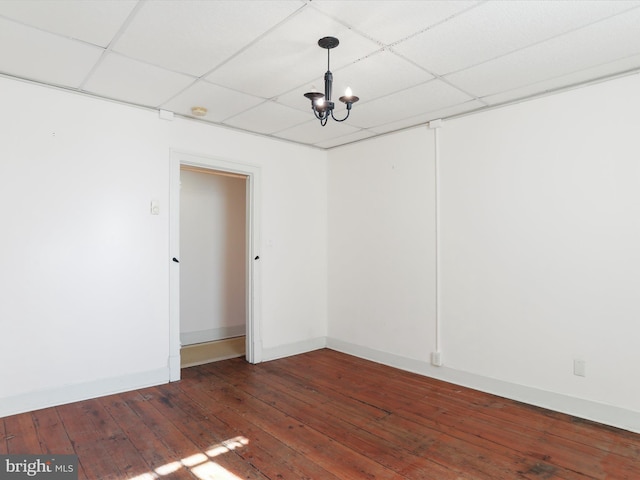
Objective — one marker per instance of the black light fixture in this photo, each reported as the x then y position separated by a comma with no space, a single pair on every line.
321,103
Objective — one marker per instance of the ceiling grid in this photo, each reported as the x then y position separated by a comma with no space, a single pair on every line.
250,62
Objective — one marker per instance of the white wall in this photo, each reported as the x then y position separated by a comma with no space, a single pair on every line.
85,269
539,257
381,244
212,256
540,235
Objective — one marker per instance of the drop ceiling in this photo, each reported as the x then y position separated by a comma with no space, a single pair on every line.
249,62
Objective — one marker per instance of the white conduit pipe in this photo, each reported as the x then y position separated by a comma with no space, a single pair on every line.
436,356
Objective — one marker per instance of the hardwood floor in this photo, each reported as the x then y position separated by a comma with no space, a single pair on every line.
322,415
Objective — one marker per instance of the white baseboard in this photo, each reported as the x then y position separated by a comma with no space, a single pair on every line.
577,407
36,400
281,351
211,335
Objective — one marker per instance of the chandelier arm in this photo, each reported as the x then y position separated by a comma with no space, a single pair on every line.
338,120
318,114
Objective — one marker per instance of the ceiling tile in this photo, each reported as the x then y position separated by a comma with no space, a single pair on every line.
94,22
427,117
575,78
430,96
43,56
128,80
377,75
194,36
581,49
289,56
268,118
312,132
497,28
354,137
220,102
390,21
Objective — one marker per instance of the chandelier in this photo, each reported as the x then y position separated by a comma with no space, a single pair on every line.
321,103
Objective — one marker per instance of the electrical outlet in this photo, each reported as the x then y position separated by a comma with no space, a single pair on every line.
436,359
580,368
155,207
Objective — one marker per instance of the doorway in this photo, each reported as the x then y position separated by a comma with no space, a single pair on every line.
212,265
249,176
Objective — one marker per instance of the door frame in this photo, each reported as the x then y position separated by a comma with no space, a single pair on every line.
253,283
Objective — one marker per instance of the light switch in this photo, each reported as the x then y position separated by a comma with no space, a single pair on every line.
155,207
580,368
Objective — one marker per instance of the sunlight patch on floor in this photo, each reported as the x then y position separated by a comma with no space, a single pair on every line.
201,464
213,471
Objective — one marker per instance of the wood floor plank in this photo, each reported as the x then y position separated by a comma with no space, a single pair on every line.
331,455
568,455
213,441
513,412
450,457
150,445
267,452
3,438
451,450
50,432
52,435
311,414
403,447
103,450
323,415
21,435
347,427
